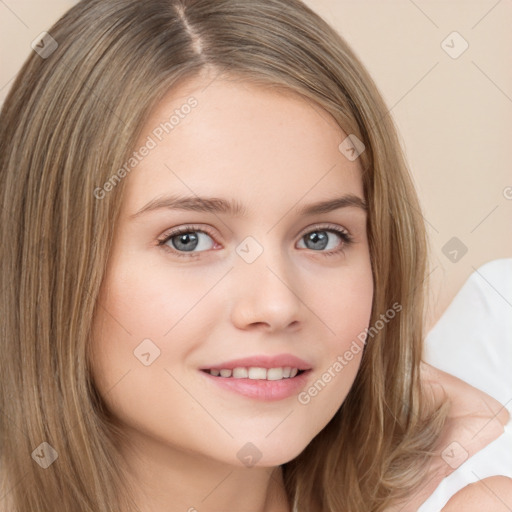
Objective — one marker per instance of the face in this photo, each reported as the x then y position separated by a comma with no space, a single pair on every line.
193,286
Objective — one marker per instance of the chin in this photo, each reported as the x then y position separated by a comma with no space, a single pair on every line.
265,454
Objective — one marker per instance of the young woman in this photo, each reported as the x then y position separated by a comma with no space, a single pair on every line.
213,275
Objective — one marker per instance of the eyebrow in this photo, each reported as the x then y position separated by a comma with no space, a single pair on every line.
236,209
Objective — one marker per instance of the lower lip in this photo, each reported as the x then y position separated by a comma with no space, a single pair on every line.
266,390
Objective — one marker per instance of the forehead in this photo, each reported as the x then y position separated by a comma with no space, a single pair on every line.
232,138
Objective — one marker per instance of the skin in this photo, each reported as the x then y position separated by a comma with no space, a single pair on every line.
274,153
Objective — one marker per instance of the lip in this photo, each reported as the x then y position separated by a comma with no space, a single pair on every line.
265,390
262,361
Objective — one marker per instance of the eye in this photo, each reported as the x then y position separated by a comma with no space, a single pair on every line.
325,237
190,241
184,241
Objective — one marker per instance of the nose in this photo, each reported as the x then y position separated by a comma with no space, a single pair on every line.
264,293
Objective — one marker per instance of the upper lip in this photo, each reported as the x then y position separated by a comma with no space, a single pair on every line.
263,361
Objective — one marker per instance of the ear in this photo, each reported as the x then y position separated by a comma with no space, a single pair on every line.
493,494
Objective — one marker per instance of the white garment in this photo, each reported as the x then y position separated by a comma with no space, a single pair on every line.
494,459
473,338
473,341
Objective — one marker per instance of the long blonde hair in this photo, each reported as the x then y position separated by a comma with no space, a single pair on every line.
71,118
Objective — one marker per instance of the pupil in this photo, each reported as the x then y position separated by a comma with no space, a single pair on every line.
319,239
189,241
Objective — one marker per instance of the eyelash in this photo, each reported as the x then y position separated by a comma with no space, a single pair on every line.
347,239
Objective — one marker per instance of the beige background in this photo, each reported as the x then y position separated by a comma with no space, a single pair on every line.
454,114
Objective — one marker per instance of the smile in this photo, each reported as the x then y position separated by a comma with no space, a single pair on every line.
256,373
259,383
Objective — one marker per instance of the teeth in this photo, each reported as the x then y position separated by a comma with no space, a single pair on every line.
275,374
256,373
240,373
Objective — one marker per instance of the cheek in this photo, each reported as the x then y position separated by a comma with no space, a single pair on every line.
346,305
346,311
148,302
325,394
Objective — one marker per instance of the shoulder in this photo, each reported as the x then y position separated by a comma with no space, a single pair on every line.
493,494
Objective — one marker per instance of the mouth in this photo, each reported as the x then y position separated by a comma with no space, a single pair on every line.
255,373
262,384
